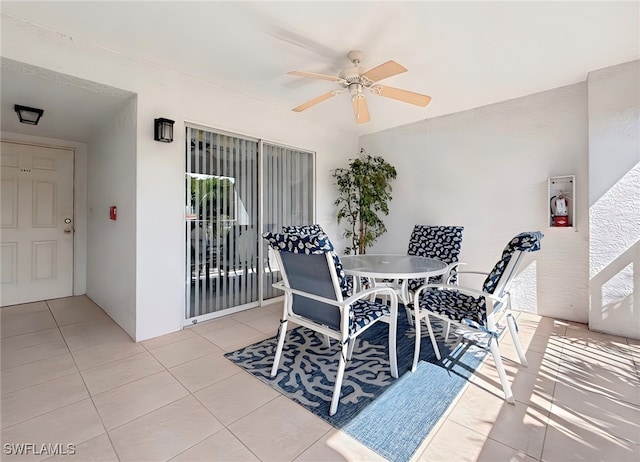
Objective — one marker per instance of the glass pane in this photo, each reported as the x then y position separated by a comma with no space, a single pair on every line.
221,219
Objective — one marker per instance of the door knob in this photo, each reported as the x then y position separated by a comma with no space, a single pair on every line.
67,231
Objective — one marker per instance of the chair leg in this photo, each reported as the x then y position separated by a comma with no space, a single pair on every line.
416,351
352,343
434,343
327,341
432,336
339,376
276,359
508,395
393,328
446,331
516,340
409,315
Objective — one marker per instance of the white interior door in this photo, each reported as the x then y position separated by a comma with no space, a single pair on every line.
36,253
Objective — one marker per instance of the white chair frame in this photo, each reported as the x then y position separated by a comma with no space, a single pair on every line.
345,340
497,303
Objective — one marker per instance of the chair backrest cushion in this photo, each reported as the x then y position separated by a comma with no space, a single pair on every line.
305,265
523,242
309,244
441,242
303,229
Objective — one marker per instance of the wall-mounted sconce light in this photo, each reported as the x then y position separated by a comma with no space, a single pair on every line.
163,130
28,115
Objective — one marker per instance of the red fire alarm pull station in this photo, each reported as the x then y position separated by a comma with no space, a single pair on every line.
113,213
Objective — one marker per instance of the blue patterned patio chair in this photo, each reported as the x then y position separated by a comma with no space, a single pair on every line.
346,283
440,242
314,298
476,309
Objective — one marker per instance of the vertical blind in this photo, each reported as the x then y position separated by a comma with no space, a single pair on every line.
221,221
288,197
226,258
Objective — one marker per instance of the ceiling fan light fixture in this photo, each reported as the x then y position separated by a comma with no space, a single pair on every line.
355,80
355,89
352,75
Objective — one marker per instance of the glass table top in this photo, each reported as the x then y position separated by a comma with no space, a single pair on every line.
392,266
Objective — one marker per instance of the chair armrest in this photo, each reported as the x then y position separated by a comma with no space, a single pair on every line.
464,290
454,264
474,272
280,285
367,292
363,294
450,269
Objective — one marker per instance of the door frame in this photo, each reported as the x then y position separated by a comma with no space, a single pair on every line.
80,209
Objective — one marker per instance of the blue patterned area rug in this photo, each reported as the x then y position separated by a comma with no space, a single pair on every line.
390,416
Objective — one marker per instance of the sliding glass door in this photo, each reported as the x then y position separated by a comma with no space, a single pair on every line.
230,201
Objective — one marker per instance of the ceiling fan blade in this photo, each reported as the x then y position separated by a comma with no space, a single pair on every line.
313,75
314,101
402,95
360,109
383,71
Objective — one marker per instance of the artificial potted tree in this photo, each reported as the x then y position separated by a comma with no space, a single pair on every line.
364,193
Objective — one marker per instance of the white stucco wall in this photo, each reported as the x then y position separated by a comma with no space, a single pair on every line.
111,244
614,199
159,215
486,169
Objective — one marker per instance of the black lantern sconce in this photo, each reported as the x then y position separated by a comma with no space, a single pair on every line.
28,115
163,130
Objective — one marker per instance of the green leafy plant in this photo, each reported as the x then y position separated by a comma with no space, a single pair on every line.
214,197
364,194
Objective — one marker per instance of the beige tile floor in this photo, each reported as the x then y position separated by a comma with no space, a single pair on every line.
71,375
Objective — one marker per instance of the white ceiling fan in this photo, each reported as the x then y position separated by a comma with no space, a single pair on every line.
356,80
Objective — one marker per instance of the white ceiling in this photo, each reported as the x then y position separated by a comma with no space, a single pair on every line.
462,54
73,108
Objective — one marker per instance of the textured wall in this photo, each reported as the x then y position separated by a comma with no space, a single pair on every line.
487,169
614,198
111,245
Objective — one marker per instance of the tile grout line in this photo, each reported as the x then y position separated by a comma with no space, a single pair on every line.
193,395
226,426
431,437
563,339
87,389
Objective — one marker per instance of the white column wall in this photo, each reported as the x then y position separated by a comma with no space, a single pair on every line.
159,169
486,169
111,244
614,199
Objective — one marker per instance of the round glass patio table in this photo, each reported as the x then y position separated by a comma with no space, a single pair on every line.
403,267
392,266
